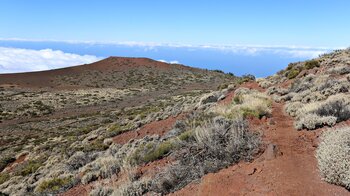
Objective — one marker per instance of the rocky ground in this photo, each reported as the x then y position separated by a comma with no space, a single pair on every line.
139,127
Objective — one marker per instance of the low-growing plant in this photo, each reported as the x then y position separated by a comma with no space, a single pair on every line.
314,115
101,191
186,136
311,64
54,185
4,176
102,167
293,73
333,155
96,145
118,129
313,121
151,152
247,103
29,167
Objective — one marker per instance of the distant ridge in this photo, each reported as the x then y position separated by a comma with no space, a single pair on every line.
109,72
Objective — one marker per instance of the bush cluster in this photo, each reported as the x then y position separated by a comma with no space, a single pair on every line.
218,143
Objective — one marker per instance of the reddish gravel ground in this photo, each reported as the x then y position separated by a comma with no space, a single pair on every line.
287,167
154,128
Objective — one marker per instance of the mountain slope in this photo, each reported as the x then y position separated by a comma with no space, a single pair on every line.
140,127
116,72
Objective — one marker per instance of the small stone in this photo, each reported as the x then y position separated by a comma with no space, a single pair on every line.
271,122
271,152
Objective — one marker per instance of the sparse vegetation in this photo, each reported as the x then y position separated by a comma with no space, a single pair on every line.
54,185
89,139
218,143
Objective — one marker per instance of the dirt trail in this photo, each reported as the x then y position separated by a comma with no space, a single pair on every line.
288,169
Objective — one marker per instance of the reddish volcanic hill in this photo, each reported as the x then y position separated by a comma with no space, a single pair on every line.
112,72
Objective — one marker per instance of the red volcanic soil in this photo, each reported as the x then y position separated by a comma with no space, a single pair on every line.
48,78
154,128
287,167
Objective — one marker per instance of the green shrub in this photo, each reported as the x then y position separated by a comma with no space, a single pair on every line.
218,71
311,64
237,99
4,177
222,86
290,66
186,136
161,150
118,129
247,112
96,145
30,167
293,73
54,185
151,152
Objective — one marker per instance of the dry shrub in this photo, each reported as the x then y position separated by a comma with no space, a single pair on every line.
335,109
101,191
340,70
136,188
218,144
103,167
313,121
264,83
333,156
247,103
78,159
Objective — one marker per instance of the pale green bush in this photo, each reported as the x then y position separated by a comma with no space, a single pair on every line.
333,156
313,121
314,115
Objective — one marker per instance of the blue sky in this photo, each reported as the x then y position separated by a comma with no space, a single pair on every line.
321,25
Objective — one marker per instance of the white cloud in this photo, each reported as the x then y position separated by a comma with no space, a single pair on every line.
289,51
170,62
23,60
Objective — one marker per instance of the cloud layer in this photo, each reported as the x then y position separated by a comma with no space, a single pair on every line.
23,60
249,50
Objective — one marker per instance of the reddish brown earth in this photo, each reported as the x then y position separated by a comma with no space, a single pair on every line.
228,98
252,85
288,169
154,128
